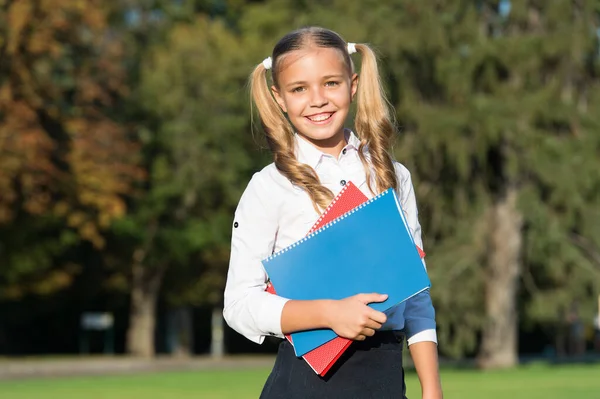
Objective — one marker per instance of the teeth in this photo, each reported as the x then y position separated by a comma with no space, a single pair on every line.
320,118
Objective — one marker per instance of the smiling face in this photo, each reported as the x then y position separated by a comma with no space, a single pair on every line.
315,88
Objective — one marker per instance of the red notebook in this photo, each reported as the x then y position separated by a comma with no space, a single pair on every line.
322,358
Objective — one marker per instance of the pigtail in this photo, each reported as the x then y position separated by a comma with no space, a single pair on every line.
374,123
280,138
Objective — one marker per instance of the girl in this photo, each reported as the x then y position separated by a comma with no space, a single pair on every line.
303,115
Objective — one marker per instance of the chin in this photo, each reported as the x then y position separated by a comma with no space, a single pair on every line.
324,134
323,137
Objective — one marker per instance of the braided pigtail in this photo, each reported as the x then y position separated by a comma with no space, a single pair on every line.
280,138
374,124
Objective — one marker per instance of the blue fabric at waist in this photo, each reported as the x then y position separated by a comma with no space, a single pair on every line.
395,318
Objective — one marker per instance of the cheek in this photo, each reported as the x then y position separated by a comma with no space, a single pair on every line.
343,98
295,105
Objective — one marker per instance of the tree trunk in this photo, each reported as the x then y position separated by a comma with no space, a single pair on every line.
181,332
145,286
217,345
499,347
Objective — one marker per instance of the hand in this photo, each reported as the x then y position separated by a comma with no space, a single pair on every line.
351,317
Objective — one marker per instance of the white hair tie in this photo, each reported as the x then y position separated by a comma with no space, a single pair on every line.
268,63
351,48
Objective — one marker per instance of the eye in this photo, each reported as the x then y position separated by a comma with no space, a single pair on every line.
332,83
298,89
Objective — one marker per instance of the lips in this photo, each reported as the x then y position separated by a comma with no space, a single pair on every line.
320,118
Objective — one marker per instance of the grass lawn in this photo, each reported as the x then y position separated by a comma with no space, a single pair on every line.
531,382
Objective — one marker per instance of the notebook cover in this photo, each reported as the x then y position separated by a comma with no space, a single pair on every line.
383,255
322,358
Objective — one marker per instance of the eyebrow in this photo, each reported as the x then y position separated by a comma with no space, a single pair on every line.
300,82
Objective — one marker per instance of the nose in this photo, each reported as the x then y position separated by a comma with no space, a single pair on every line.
318,97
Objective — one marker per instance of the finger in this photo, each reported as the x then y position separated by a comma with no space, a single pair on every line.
367,332
370,298
377,316
372,324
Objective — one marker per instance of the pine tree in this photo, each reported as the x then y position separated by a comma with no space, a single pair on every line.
497,101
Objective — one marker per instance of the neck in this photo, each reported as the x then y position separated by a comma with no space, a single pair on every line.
332,146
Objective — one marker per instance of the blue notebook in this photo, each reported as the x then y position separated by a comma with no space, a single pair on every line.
369,249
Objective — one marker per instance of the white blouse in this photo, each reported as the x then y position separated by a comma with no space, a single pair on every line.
273,214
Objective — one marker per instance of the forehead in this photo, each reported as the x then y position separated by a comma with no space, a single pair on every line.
312,62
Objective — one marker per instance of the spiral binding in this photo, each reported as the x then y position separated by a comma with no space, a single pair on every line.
334,221
337,197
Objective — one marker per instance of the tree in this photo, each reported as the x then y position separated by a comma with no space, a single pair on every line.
492,100
65,161
191,93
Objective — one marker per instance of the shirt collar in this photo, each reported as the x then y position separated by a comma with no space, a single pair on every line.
352,140
308,154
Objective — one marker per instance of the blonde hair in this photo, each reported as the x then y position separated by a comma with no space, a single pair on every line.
373,121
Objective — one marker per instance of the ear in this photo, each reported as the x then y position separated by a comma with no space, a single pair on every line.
354,85
278,98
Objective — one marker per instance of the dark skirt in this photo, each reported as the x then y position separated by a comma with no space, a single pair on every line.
368,369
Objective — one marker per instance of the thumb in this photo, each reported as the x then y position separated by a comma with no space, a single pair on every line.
373,297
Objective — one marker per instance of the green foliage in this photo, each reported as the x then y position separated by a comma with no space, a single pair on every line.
481,110
483,101
197,150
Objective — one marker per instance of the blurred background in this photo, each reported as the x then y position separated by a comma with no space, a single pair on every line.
126,140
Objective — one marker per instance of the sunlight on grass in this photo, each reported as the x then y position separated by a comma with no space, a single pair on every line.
548,382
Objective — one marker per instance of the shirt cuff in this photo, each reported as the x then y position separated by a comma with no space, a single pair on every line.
270,316
423,336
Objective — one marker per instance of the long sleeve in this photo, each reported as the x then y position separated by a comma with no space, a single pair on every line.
248,309
419,313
